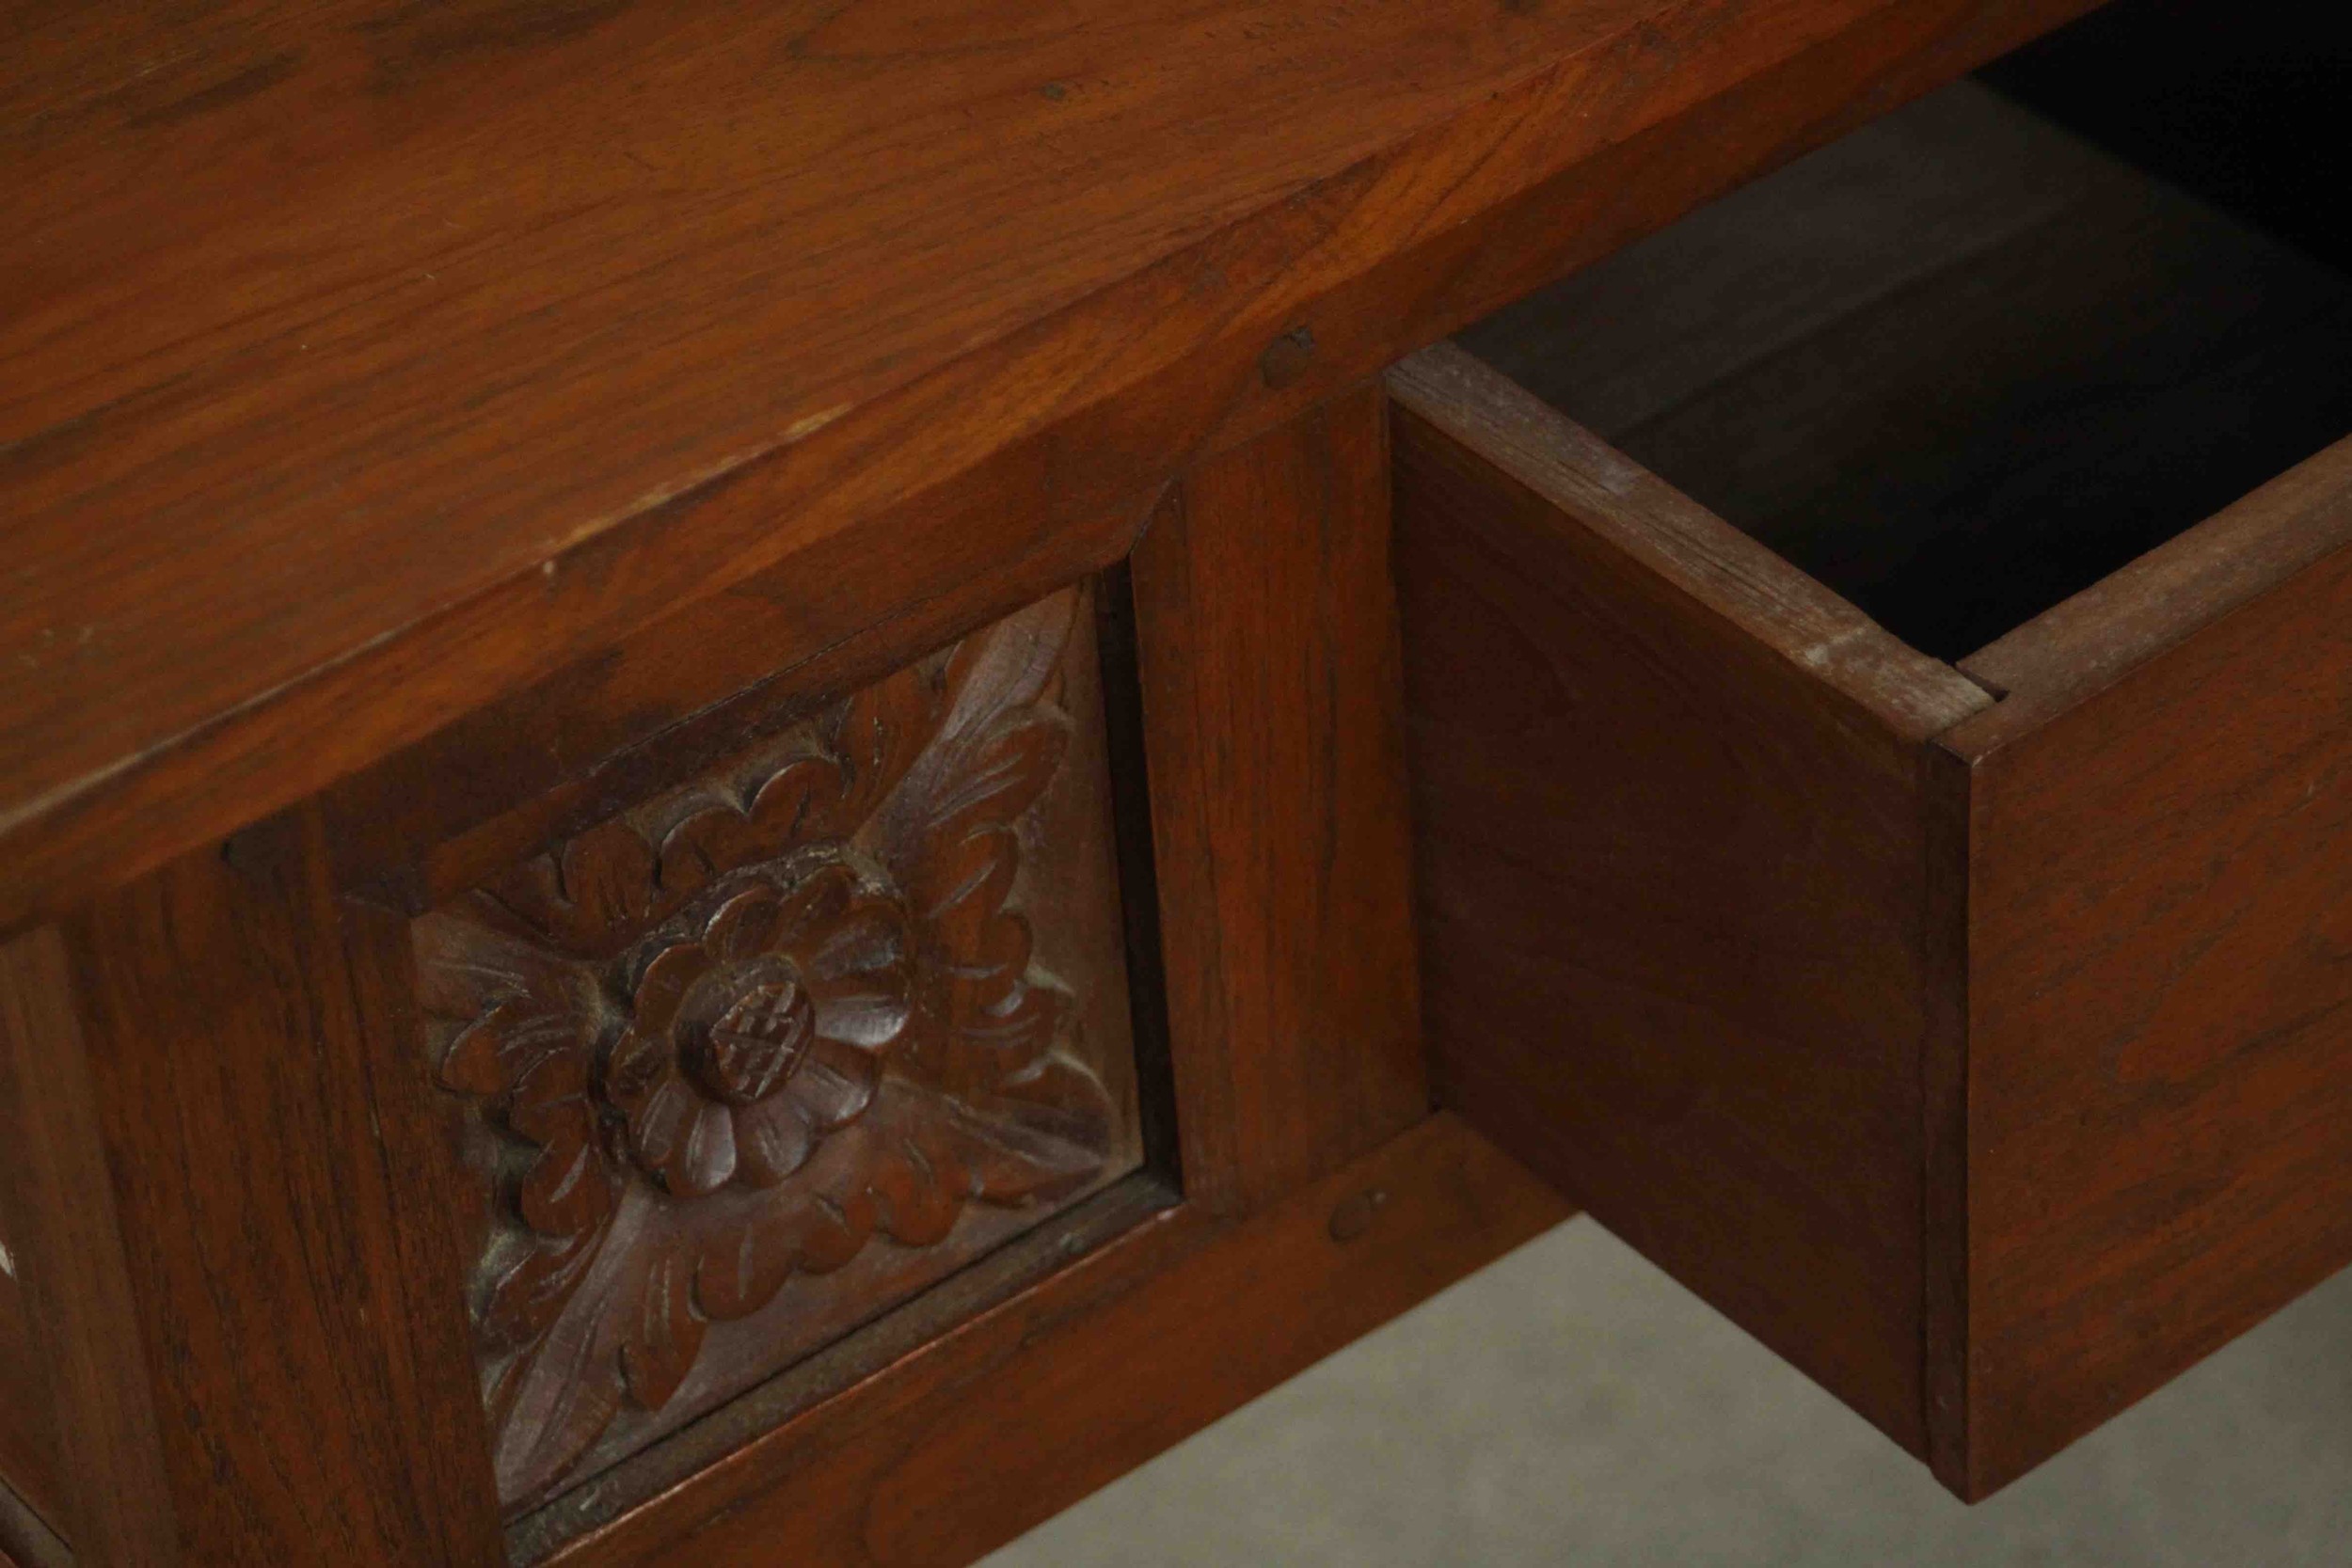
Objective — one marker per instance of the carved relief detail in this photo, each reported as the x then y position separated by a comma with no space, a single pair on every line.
735,1034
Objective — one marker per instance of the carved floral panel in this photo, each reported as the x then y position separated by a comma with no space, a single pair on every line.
755,1059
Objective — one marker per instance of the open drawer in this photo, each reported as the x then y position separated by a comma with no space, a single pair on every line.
1883,767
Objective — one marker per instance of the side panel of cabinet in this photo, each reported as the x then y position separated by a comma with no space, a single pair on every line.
74,1282
263,1111
29,1443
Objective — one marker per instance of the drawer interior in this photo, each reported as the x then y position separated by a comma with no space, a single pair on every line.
1963,363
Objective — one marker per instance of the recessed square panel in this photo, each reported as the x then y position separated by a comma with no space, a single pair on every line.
763,1054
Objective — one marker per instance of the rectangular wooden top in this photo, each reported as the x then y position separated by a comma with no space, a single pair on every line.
363,360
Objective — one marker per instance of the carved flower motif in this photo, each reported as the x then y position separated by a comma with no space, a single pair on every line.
727,1038
753,1041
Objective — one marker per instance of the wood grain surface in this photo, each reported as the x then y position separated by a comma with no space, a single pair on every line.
109,1496
284,1196
488,788
28,1445
2285,527
1016,1415
2159,1076
473,375
426,417
1671,849
1267,642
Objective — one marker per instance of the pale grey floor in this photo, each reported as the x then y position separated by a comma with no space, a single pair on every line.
1572,1405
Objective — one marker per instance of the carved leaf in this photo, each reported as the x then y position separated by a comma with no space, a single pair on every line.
546,1408
936,1153
1010,665
569,1189
608,880
879,734
792,808
665,1335
468,965
528,1299
741,1272
586,898
1005,771
491,1052
564,1386
995,753
1046,1123
624,1329
959,886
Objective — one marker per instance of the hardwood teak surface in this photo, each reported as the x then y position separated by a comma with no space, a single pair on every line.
361,363
707,835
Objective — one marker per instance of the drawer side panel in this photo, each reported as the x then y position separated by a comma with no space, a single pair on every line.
1673,905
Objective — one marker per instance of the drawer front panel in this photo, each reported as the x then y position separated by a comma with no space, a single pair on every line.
769,1051
2159,1077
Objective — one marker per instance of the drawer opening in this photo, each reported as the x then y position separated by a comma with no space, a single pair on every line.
1966,361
